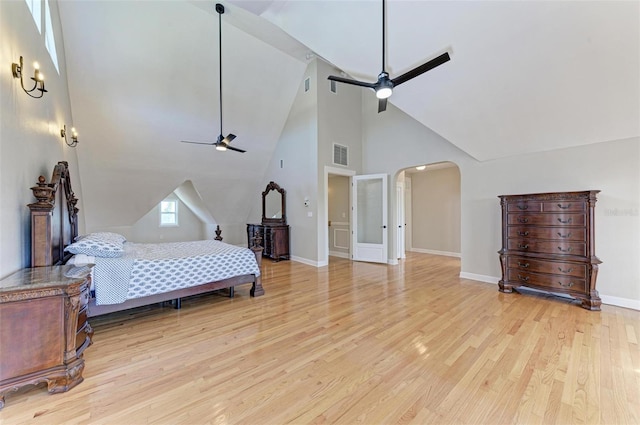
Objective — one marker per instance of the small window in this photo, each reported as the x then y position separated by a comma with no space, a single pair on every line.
169,213
49,39
35,7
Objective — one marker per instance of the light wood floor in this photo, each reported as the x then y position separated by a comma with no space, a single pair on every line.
355,343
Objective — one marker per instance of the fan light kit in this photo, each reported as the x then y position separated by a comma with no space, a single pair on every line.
222,142
385,85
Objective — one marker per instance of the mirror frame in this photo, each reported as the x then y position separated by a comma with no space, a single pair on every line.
282,220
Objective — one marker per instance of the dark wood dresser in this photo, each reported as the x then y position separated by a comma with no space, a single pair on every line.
275,239
43,328
548,244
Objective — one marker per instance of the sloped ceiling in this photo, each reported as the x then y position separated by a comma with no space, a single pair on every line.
525,76
143,76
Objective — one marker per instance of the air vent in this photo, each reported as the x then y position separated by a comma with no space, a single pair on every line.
340,154
334,87
306,85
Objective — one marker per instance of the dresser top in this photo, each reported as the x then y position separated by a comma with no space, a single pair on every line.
553,195
36,278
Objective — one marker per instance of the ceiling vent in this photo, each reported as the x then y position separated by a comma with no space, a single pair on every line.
340,154
333,87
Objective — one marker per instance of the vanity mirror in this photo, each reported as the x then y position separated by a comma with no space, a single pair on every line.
274,201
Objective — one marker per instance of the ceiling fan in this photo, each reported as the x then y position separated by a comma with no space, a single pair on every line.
222,143
384,86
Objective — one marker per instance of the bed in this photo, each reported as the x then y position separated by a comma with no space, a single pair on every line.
127,275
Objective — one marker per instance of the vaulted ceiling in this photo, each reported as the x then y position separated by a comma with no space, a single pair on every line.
525,76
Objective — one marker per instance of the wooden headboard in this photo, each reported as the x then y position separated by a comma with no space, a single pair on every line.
54,218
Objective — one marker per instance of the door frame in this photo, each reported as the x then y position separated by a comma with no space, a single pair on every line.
323,247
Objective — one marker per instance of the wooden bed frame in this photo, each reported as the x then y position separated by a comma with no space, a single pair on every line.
54,225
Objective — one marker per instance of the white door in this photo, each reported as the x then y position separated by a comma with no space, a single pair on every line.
369,223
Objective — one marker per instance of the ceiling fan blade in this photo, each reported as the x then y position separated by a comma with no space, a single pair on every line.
199,143
235,149
228,139
353,82
421,69
382,105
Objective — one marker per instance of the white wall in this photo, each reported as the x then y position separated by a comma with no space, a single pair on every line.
30,142
317,119
293,167
612,167
148,229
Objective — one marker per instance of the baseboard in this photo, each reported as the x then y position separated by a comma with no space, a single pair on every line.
309,262
479,277
434,252
339,254
620,302
606,299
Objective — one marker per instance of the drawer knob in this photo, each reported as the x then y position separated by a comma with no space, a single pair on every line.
523,265
567,221
523,207
523,220
564,250
563,207
568,285
523,278
568,235
524,246
523,233
569,270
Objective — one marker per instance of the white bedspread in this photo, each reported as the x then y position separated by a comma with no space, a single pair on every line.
147,269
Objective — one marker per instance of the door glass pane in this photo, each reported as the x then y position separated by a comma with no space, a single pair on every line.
369,208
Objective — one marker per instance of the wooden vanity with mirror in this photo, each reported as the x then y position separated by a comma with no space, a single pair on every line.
274,230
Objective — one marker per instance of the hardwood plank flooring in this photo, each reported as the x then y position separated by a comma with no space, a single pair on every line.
355,343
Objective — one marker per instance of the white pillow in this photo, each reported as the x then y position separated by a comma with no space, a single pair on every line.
98,245
81,260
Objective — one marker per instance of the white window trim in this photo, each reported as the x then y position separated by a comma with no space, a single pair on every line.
177,223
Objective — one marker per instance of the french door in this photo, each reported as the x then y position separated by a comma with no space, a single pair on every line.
369,224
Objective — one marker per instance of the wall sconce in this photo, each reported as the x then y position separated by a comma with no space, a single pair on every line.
38,78
74,136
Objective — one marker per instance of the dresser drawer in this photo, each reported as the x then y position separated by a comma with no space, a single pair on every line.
82,317
524,206
544,266
564,206
547,247
568,234
552,282
550,219
83,339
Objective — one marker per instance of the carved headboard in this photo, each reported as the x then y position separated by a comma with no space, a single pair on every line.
54,218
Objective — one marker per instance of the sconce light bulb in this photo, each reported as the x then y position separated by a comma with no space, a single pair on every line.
36,65
73,131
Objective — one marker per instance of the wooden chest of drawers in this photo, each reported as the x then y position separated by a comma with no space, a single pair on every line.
548,243
43,328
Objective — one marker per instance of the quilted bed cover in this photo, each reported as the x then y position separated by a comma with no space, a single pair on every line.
147,269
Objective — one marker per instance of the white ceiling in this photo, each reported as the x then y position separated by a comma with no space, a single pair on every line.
525,76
